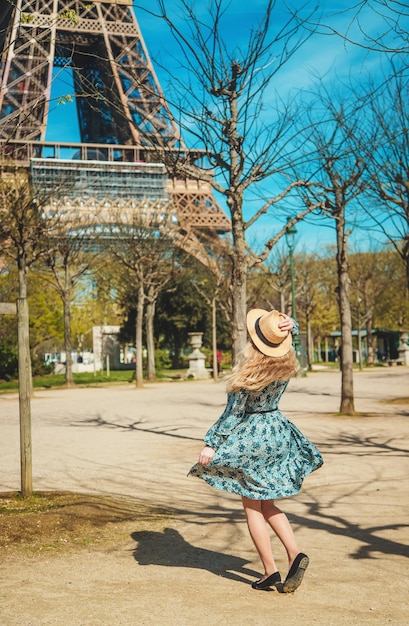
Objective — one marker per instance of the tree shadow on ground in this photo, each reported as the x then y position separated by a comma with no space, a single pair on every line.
170,549
370,539
360,446
137,425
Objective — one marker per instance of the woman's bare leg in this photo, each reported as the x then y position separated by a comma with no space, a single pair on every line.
258,512
259,533
281,527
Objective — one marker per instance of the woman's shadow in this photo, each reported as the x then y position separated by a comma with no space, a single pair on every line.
168,548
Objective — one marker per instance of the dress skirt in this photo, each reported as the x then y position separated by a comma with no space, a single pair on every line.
259,454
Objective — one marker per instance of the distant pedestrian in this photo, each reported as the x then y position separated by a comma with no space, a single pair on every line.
219,358
339,356
254,451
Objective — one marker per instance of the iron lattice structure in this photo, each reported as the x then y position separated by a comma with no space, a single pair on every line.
122,112
118,96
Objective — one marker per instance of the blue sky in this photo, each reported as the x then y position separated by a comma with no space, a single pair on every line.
324,56
321,54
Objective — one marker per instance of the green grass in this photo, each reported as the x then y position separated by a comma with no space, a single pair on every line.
88,379
58,380
13,502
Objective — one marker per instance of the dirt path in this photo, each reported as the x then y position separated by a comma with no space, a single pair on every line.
193,562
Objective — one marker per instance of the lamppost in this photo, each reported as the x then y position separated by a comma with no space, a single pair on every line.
290,237
359,335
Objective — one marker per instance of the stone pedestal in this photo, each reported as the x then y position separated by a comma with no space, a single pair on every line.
197,359
403,350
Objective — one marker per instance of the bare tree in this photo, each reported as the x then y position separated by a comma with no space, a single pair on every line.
227,107
22,228
392,309
323,316
214,288
145,247
387,199
71,253
309,276
339,181
391,37
373,275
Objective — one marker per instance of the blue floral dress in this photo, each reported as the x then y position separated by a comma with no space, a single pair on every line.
259,453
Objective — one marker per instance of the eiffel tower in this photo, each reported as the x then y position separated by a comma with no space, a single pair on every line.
122,112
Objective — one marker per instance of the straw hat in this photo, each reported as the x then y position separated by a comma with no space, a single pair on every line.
265,333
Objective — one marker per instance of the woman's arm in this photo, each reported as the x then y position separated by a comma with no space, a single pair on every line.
289,324
232,415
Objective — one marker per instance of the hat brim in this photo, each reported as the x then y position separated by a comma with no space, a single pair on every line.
280,350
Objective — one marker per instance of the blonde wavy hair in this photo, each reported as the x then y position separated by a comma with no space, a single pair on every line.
257,370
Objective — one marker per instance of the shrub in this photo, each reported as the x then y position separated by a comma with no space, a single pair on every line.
162,360
8,362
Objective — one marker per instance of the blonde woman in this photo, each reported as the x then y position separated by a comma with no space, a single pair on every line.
254,451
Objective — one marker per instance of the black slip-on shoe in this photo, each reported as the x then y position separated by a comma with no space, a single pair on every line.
296,573
270,581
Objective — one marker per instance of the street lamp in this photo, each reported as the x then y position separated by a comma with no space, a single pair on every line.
290,240
289,237
359,335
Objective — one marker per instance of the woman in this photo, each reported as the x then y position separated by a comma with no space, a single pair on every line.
254,451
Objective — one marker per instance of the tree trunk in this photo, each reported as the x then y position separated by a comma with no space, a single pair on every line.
150,342
360,358
347,380
370,359
310,345
406,259
239,282
24,386
214,342
234,200
69,379
138,338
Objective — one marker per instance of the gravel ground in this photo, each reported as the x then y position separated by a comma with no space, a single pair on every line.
195,562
